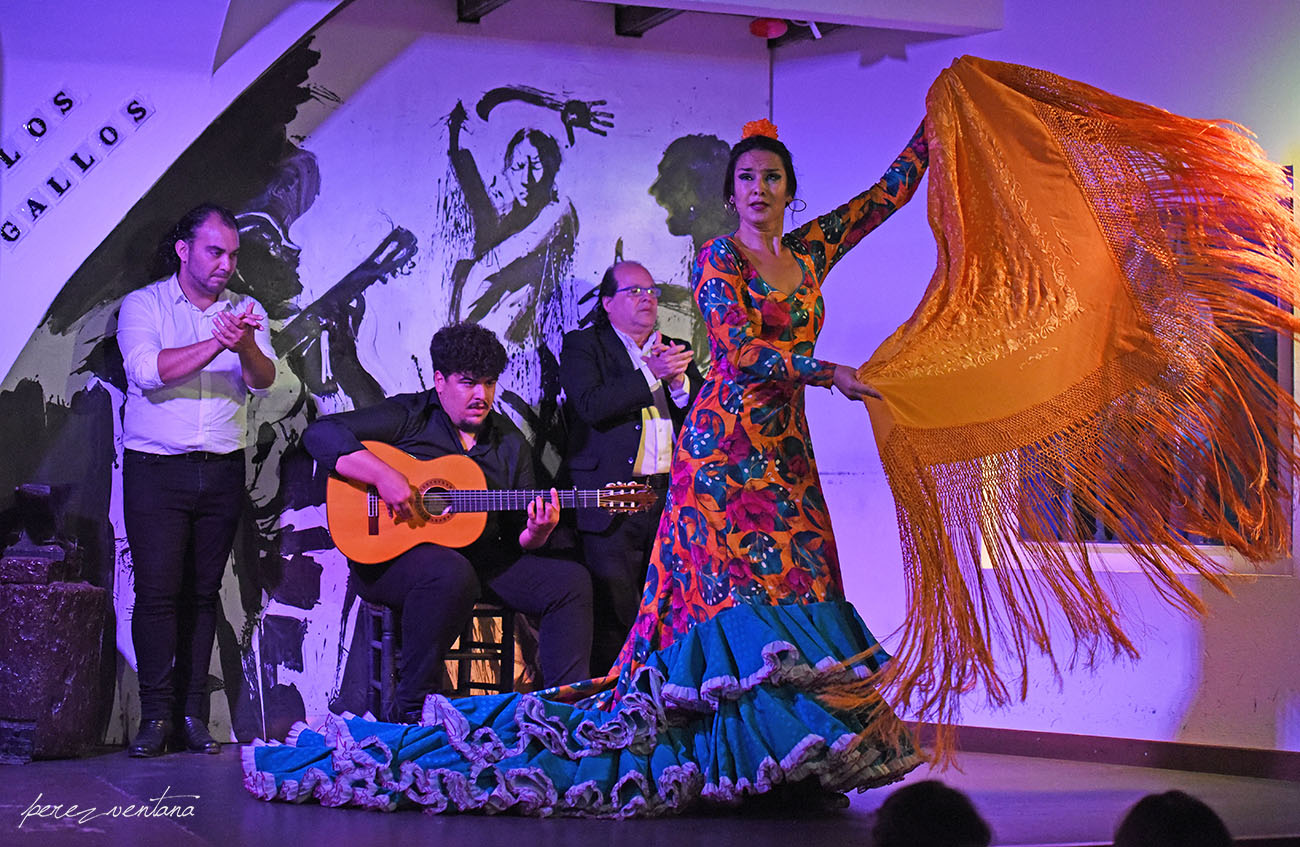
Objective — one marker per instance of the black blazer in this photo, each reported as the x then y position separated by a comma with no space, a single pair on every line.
604,396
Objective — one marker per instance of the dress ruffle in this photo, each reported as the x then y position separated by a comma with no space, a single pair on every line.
729,710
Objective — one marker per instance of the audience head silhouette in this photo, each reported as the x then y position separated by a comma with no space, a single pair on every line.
929,814
1171,819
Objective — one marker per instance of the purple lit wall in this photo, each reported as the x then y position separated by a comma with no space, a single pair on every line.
1230,679
343,164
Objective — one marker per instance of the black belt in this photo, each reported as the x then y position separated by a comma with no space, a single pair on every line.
192,456
657,481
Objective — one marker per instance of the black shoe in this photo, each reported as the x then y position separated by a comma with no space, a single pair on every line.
805,798
151,740
192,735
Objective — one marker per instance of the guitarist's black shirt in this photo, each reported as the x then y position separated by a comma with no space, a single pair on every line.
417,424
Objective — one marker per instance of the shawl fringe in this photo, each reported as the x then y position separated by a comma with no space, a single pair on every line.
1183,438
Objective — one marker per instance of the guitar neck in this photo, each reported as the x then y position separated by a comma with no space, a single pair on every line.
438,502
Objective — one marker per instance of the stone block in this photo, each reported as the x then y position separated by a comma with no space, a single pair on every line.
17,740
50,637
32,569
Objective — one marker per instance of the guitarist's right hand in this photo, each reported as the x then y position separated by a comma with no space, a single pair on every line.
390,483
398,495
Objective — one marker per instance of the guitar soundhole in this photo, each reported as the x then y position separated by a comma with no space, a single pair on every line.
437,510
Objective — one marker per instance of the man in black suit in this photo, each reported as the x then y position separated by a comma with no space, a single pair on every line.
627,389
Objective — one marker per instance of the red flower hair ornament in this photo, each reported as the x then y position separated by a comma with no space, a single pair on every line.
761,126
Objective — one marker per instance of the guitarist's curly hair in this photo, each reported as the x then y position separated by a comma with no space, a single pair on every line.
467,348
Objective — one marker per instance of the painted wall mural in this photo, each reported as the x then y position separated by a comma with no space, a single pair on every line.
464,179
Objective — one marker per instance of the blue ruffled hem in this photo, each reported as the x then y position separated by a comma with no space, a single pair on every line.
726,711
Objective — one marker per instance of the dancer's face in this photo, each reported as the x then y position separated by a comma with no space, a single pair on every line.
760,189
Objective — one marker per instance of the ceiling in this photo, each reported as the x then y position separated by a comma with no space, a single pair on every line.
805,19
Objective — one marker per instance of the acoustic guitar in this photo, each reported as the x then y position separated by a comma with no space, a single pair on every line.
452,503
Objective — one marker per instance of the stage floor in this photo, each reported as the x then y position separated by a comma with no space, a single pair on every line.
1026,801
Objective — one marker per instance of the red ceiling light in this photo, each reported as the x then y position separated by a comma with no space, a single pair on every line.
768,27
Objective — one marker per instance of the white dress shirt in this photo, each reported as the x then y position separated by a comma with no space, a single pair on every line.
655,453
205,410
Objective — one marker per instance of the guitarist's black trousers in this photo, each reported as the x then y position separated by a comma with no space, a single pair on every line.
435,589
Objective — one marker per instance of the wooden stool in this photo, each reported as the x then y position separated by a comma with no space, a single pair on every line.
498,653
382,637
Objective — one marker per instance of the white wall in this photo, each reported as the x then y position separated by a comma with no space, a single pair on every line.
104,54
847,106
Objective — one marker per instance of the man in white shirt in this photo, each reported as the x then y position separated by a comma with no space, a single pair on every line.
193,352
627,389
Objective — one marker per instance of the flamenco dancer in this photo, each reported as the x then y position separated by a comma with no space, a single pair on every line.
1128,250
743,615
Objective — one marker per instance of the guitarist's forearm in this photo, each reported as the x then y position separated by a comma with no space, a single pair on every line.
340,434
390,483
364,466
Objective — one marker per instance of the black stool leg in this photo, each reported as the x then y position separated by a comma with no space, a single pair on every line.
391,641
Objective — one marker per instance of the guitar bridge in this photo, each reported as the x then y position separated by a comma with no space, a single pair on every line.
372,510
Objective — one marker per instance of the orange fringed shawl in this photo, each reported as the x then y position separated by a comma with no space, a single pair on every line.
1100,264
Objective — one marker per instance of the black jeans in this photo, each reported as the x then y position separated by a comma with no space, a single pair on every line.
435,588
181,513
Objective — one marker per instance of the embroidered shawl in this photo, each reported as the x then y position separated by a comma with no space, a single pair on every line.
1090,344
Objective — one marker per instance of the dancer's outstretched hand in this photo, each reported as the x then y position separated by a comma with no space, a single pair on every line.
846,380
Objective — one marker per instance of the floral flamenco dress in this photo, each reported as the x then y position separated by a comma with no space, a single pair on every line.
745,668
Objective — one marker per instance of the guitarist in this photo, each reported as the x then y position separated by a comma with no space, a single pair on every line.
435,587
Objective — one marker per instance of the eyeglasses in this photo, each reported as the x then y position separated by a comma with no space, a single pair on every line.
652,292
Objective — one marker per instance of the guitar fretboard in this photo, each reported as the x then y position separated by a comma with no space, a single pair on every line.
445,502
438,502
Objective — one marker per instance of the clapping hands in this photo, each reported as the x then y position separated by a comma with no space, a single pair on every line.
668,361
234,330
